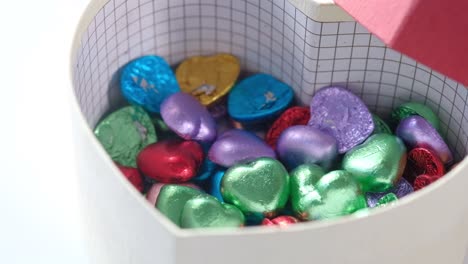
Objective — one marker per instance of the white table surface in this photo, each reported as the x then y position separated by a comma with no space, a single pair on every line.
39,220
38,204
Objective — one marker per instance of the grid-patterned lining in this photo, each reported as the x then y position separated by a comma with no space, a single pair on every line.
270,36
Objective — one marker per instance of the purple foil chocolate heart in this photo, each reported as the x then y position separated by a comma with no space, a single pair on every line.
402,188
299,145
189,119
416,131
235,146
343,115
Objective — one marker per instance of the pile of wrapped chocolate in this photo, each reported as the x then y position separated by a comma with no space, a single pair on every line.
209,148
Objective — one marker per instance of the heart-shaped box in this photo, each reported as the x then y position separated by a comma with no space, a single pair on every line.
307,44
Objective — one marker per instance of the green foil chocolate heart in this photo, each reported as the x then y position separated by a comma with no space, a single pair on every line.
257,187
387,199
378,163
207,211
162,130
380,126
172,198
124,133
316,196
413,108
303,180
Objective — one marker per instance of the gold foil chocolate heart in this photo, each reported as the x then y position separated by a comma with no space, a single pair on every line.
208,78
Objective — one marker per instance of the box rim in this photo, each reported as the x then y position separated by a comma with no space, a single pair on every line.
90,12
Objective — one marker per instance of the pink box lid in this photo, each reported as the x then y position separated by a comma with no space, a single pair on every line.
433,32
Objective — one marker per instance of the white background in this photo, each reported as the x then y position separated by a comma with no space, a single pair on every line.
39,219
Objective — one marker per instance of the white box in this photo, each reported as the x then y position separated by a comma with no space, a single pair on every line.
429,226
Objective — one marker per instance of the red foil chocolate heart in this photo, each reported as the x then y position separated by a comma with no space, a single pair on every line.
283,220
171,161
423,180
423,161
132,175
293,116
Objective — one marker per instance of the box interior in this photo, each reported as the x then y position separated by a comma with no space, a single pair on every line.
270,36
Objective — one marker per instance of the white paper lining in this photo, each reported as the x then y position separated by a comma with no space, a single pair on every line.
270,36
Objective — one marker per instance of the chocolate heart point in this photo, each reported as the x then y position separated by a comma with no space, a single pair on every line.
206,211
171,161
257,187
378,163
340,113
208,78
172,198
124,133
316,196
188,118
305,144
416,131
235,146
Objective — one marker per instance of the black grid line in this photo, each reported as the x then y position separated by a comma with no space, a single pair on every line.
351,53
365,65
440,102
318,56
397,81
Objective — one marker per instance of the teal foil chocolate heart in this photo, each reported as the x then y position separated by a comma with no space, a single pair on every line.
317,196
260,187
258,98
378,163
207,211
